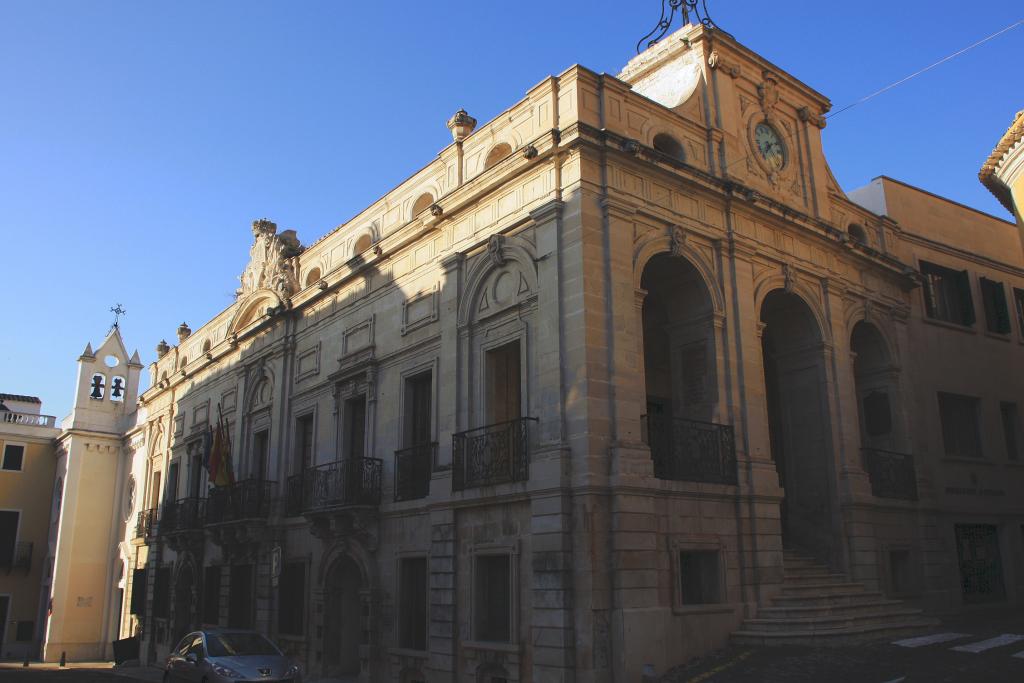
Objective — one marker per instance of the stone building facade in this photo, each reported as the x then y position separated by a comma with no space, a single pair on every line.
553,408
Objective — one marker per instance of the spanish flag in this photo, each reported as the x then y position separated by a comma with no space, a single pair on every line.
218,460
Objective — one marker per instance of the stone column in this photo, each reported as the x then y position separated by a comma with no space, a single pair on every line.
449,380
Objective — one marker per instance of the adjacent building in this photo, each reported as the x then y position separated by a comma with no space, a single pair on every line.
28,489
616,376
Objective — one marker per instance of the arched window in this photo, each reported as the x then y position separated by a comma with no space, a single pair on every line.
497,153
206,346
313,276
363,243
669,146
421,204
857,233
183,362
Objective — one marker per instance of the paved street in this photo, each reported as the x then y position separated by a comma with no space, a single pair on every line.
986,648
11,672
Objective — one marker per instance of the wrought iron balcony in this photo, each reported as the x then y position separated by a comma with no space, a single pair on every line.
248,499
33,419
892,474
18,556
690,450
145,525
413,466
183,515
491,455
346,483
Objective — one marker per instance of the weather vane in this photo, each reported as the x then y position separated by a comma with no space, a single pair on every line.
118,312
668,15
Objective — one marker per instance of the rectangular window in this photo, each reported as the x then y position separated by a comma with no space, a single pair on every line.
1011,429
260,452
418,409
8,536
211,595
1018,304
240,597
492,598
981,567
162,593
947,294
699,577
154,491
503,384
355,426
291,615
171,494
303,444
997,313
24,631
14,457
412,595
959,416
901,580
195,476
138,603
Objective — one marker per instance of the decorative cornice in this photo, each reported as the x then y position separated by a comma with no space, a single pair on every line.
987,175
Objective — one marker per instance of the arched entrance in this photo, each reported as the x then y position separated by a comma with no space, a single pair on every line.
343,619
184,601
798,424
681,375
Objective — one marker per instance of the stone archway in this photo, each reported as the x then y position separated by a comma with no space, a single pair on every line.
343,619
799,424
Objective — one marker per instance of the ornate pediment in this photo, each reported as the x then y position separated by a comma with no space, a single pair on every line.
273,261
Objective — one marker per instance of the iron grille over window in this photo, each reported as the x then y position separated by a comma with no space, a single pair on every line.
353,481
892,474
947,294
689,450
19,557
493,598
700,580
249,499
412,632
490,455
292,599
412,471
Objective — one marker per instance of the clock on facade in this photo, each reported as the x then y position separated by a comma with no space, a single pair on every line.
770,146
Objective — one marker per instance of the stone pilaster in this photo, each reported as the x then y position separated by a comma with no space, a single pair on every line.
442,636
552,631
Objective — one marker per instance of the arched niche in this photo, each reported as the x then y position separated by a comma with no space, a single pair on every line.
496,154
421,204
669,146
252,309
312,277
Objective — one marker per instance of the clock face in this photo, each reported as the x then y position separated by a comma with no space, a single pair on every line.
769,146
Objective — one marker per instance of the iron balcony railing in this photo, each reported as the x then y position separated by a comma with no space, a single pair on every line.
345,483
491,455
248,499
17,556
892,474
186,514
690,450
12,417
413,466
145,525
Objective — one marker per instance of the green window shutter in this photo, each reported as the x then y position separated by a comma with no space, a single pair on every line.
929,295
964,286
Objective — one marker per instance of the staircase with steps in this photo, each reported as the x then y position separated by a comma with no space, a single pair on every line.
819,607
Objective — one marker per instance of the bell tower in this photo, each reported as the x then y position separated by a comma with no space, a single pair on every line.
93,463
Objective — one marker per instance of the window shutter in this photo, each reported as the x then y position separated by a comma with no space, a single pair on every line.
1002,309
929,295
964,284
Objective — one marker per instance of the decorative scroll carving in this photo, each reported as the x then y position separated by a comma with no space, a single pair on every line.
768,92
272,260
715,61
678,240
814,119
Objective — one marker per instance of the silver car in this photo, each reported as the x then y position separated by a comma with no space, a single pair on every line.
225,655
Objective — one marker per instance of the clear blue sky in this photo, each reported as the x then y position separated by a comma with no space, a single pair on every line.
138,140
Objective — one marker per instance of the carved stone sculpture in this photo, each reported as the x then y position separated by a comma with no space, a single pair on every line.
272,260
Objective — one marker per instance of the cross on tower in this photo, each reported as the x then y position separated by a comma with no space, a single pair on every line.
118,312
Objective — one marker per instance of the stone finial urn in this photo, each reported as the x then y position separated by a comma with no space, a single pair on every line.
184,332
461,124
162,348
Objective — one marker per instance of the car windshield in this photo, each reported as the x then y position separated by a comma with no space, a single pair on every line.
238,644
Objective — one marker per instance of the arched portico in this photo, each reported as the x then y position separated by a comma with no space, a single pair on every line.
799,424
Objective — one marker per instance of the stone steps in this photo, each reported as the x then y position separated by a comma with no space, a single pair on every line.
818,606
